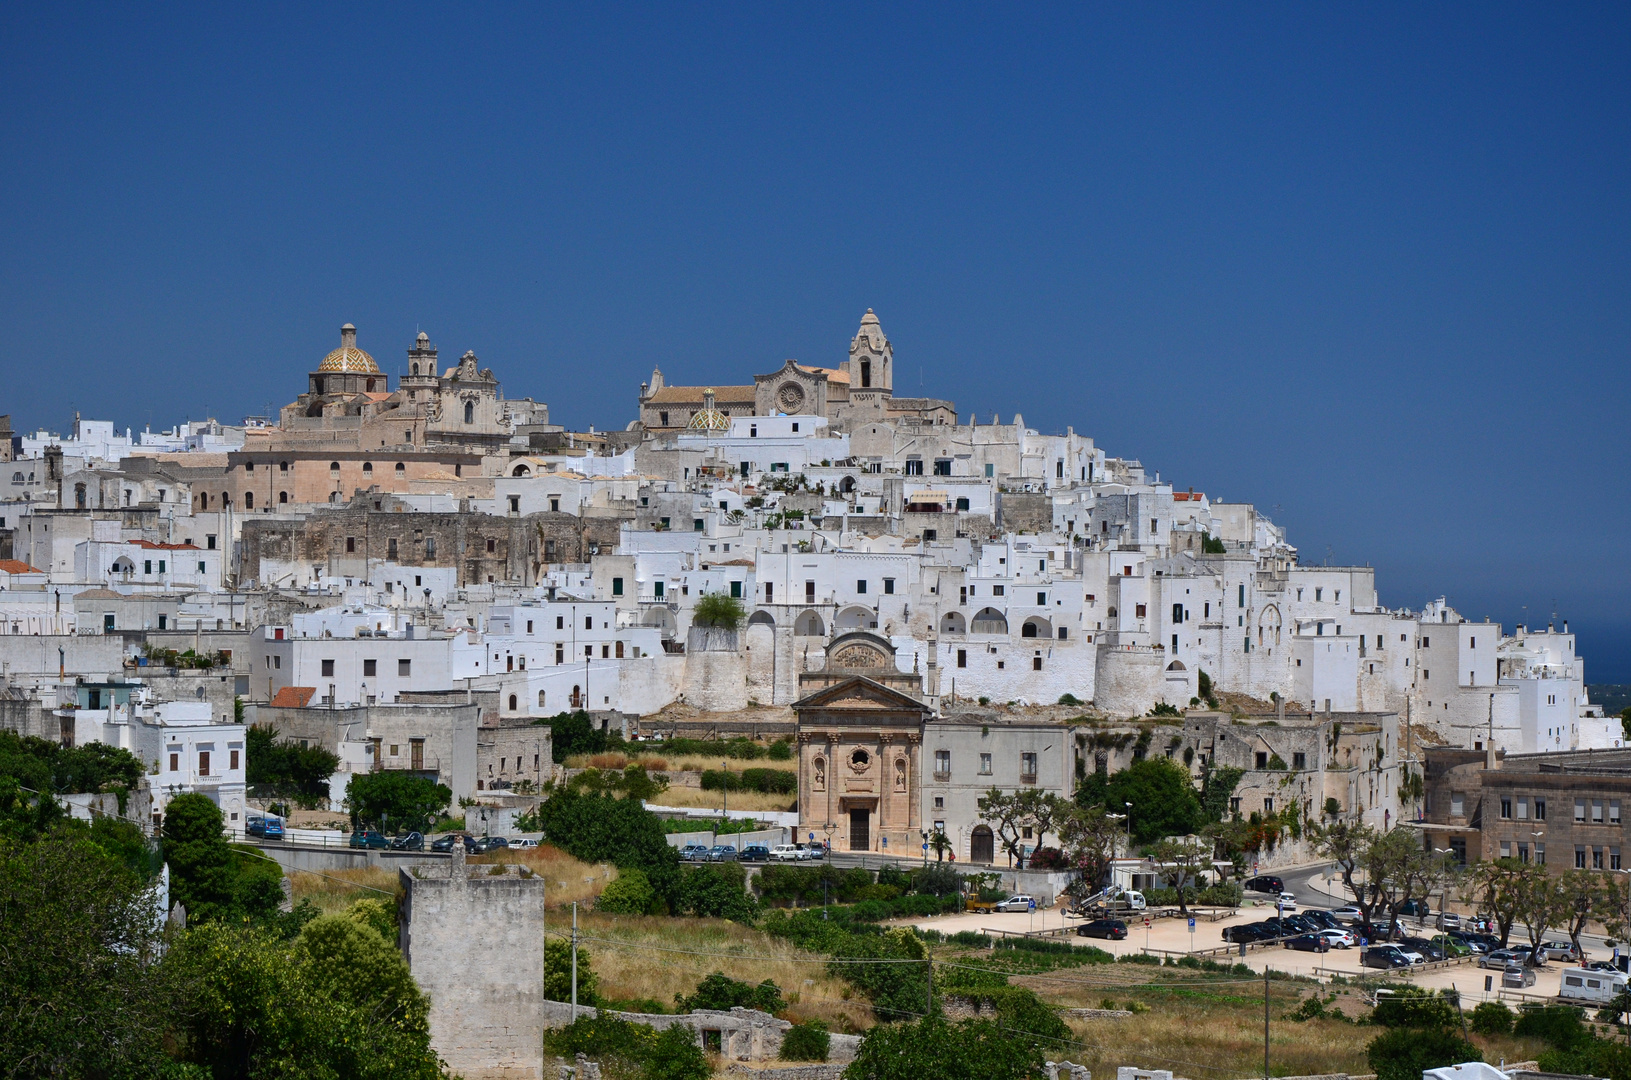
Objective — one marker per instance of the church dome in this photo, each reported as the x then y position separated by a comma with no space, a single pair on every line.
348,357
710,418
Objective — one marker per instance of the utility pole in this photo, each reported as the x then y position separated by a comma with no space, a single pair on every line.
928,965
1265,1021
575,983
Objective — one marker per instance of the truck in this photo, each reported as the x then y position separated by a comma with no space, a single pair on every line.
1109,902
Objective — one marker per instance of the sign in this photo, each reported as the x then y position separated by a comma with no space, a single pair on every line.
1032,906
1192,924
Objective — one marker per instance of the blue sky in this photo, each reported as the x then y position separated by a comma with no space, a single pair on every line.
1367,268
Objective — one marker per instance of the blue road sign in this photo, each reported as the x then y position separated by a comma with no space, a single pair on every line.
1192,924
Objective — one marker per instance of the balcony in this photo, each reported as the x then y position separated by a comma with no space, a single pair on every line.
942,776
1028,778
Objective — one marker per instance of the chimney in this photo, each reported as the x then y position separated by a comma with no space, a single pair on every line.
1279,710
348,336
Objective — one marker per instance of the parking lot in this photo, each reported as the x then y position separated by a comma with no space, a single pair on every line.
1172,937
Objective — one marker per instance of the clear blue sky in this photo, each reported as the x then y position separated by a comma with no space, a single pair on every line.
1367,269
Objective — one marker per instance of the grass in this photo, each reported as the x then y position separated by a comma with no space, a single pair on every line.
740,800
565,878
702,946
334,890
613,759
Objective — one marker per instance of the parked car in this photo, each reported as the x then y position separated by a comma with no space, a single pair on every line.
1426,948
448,842
1321,918
755,853
1022,902
1339,939
1246,933
1347,914
1113,929
1449,920
1475,942
490,843
411,842
814,852
1560,950
1450,946
722,853
523,842
1308,943
1500,959
1265,883
788,853
694,852
1284,901
1416,909
1383,956
266,828
369,838
1517,978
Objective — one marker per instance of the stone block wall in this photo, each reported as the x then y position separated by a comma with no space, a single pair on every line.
475,944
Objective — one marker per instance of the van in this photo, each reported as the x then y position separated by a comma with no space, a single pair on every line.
1580,984
787,853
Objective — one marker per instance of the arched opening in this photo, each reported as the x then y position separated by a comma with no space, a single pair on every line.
1036,627
1112,611
660,617
226,498
982,847
203,500
413,369
283,466
762,618
619,650
368,468
249,500
1268,626
79,496
540,699
401,469
847,485
952,622
369,387
334,468
282,496
1176,665
989,621
512,702
123,565
470,412
809,624
334,496
315,408
521,470
857,618
577,697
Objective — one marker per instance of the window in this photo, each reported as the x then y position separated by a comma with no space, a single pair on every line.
209,541
962,502
1138,611
404,667
736,589
942,466
1614,812
1596,858
999,590
1027,766
1262,759
1540,809
147,566
889,586
1268,804
1041,599
1614,858
232,759
1036,662
203,763
617,586
962,658
770,592
1579,856
370,668
1596,811
1299,761
1242,600
175,762
1580,810
914,466
1506,807
1458,805
430,547
860,587
985,764
657,588
809,592
1234,805
942,764
328,668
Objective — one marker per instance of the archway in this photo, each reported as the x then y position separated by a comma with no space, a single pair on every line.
512,702
1036,627
520,470
469,412
660,618
1268,626
989,621
1176,665
846,486
809,624
123,565
857,618
982,846
952,623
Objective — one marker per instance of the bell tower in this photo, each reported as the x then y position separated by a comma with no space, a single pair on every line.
871,363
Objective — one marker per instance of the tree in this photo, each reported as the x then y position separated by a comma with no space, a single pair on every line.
347,960
718,610
717,892
1493,887
1405,1053
571,734
1160,791
809,1041
1540,903
283,767
720,991
599,828
968,1050
558,973
1089,837
675,1055
1584,895
392,800
1348,844
207,877
1006,816
79,995
1179,861
630,894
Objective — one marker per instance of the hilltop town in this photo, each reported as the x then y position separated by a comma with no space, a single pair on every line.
794,643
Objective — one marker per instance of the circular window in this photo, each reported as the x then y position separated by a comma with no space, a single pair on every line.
859,759
791,396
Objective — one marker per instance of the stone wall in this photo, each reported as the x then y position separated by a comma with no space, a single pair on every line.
716,670
743,1034
475,944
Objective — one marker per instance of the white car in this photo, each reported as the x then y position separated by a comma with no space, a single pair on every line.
788,853
1284,901
1412,955
1339,939
1347,914
1021,902
523,842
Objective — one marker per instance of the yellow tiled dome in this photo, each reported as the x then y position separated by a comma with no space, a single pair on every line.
348,357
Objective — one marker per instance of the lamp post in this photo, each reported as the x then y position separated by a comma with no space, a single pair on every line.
725,794
1129,807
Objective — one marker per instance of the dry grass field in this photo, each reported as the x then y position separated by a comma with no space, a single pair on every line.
334,890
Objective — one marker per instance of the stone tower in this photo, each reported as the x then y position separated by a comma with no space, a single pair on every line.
871,363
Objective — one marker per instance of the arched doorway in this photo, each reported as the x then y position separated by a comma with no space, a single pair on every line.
952,623
989,621
809,624
1036,627
857,618
982,846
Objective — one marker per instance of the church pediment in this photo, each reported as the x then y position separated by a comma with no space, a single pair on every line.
860,693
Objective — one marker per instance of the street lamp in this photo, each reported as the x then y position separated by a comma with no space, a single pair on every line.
725,794
1129,807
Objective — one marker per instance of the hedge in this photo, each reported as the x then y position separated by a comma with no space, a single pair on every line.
768,781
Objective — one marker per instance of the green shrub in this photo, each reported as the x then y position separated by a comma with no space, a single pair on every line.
806,1042
717,892
1491,1018
720,991
718,609
1405,1053
780,750
630,894
1413,1008
1559,1025
936,879
767,781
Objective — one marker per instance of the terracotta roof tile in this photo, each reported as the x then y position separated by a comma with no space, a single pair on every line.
293,697
15,566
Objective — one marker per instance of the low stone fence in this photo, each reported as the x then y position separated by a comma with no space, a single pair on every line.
791,1072
740,1034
